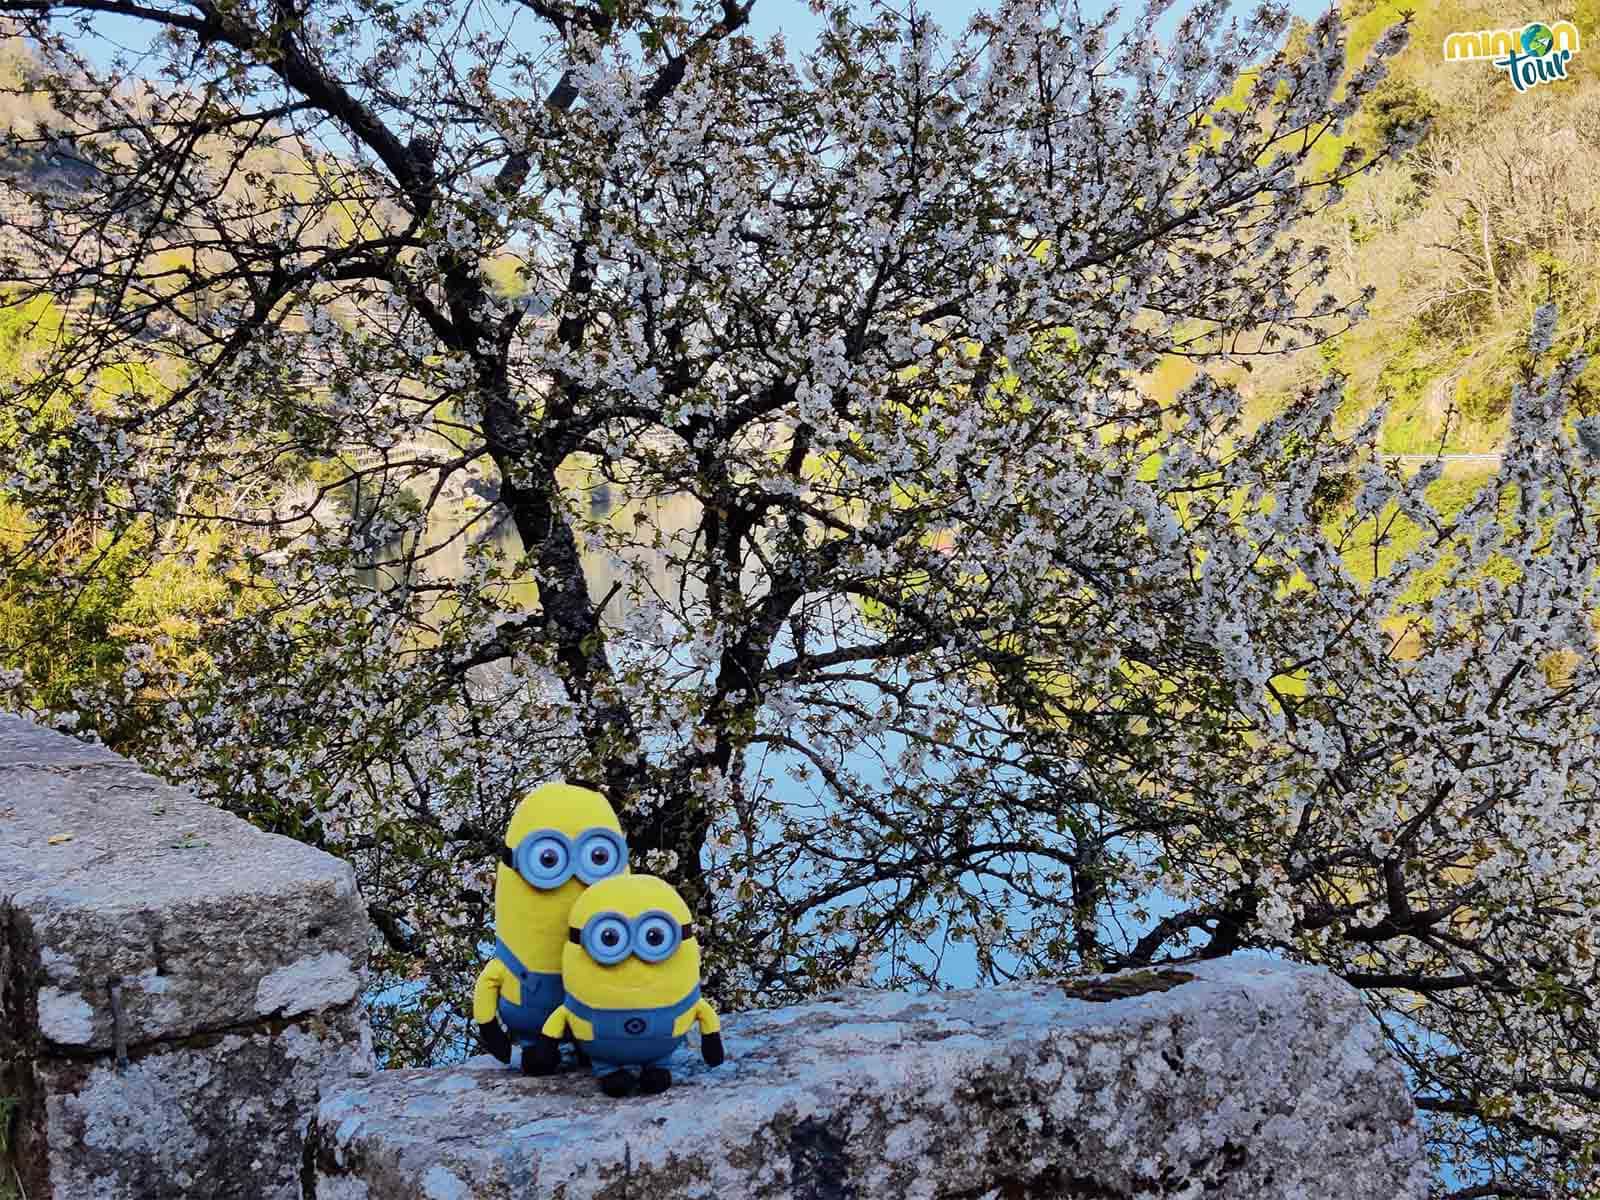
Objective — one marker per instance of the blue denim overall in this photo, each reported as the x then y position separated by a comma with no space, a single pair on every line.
632,1037
541,996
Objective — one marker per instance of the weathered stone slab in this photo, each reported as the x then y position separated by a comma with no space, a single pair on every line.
224,962
220,1116
24,744
1233,1080
206,921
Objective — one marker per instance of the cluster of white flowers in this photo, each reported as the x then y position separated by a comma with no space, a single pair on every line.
1544,328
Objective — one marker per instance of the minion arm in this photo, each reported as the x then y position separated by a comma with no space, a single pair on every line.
555,1026
485,1006
710,1034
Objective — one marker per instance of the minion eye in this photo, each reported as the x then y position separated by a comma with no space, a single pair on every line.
656,938
601,853
545,861
605,937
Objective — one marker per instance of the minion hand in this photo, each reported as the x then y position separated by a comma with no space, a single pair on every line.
541,1057
711,1049
494,1040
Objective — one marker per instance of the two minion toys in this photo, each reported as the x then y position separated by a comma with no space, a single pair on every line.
587,951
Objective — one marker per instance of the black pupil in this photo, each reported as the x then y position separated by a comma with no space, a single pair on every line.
598,855
655,937
609,937
547,859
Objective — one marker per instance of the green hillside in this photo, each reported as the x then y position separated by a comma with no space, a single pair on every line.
1496,211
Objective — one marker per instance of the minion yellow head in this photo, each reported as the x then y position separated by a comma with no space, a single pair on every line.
631,944
561,839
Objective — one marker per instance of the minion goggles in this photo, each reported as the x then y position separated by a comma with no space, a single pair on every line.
609,937
547,858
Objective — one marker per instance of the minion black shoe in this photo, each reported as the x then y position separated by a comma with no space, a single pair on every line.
654,1080
541,1057
617,1084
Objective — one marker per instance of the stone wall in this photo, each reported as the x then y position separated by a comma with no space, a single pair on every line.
1238,1079
177,988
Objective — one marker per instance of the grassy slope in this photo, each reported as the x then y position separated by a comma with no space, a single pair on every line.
1441,355
1439,344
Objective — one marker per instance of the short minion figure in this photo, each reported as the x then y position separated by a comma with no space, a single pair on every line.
631,974
562,839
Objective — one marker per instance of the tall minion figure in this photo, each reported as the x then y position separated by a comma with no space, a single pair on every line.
562,839
631,973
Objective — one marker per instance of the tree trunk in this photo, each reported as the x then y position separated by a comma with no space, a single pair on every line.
1481,204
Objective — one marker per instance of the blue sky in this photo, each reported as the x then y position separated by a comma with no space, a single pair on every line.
792,17
800,26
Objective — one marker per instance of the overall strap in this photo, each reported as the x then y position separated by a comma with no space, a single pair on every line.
504,954
586,1012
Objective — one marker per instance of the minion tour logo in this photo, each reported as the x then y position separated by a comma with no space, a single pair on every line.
1537,53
